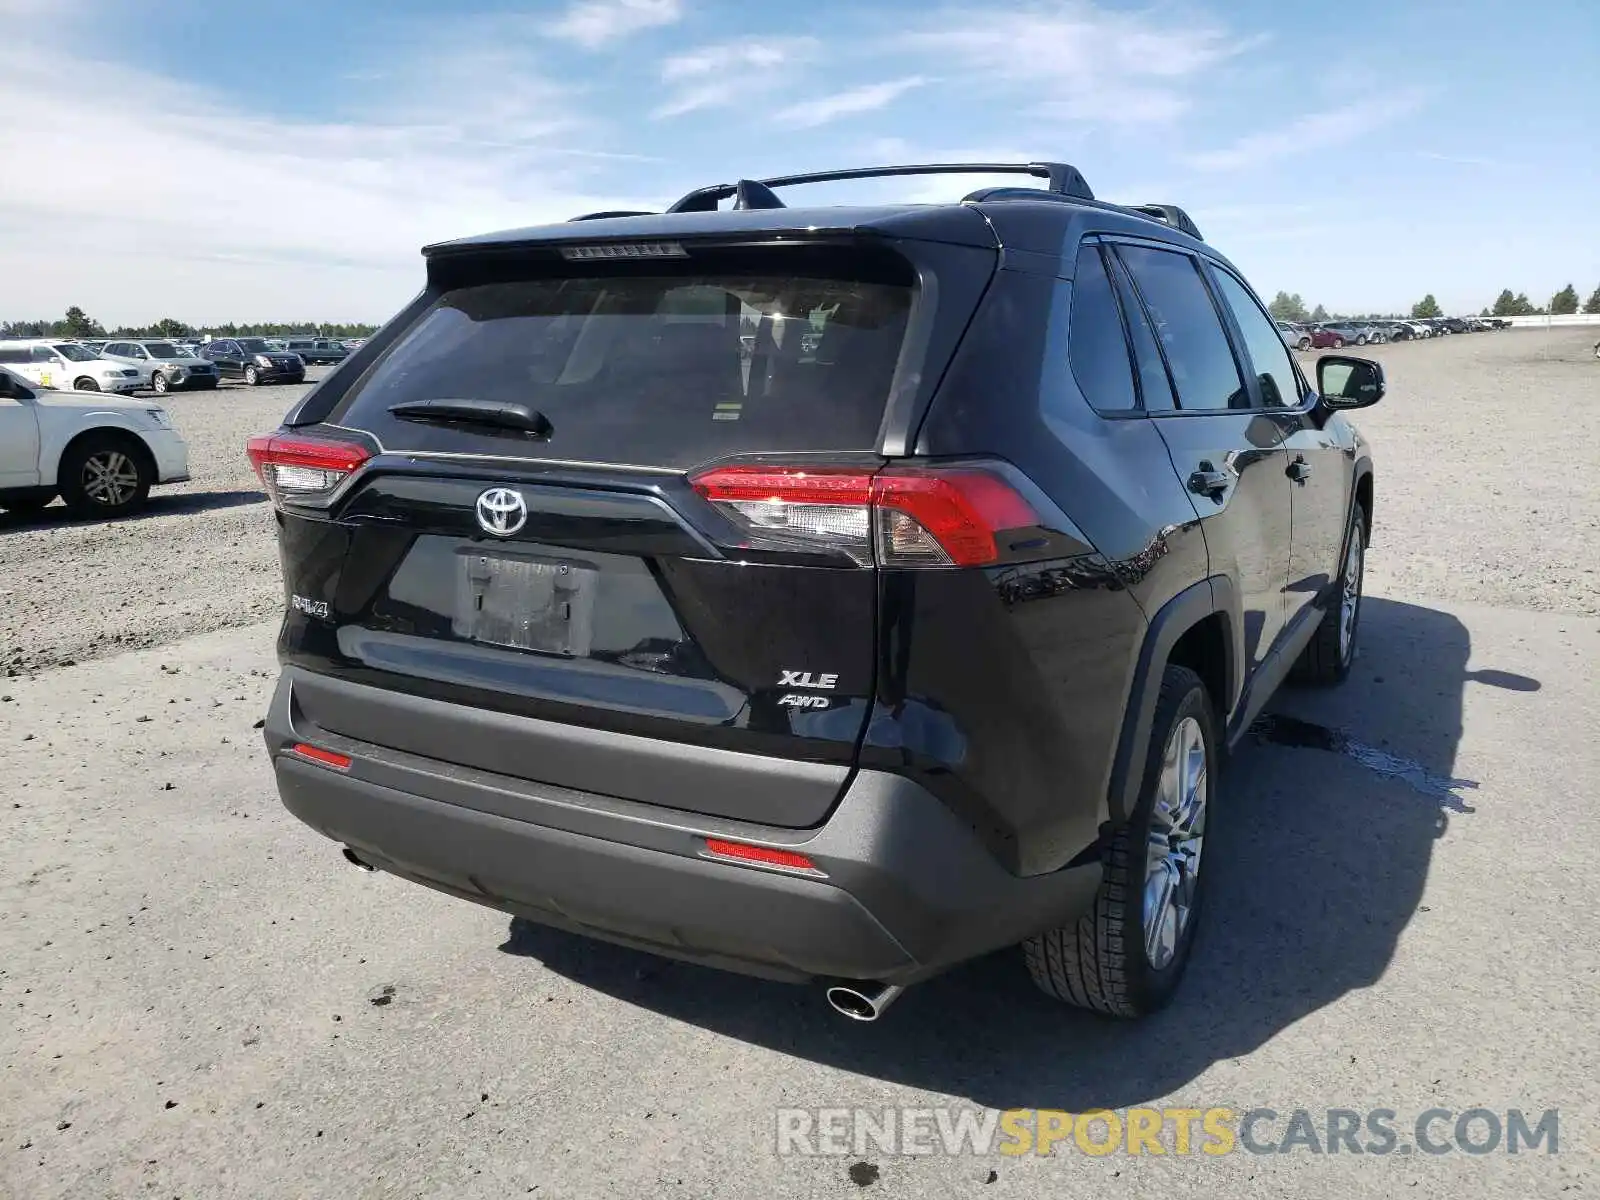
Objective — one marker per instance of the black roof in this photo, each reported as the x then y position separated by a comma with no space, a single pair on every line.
1030,218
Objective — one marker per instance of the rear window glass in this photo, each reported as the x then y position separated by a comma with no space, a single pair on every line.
666,367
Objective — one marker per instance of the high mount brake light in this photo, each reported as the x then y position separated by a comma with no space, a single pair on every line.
898,517
301,468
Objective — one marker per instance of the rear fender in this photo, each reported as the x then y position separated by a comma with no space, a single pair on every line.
1179,615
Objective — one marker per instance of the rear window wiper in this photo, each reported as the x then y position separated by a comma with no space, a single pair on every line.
491,414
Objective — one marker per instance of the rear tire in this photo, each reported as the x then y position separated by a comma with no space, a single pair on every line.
1303,344
1126,956
105,475
1338,343
1327,659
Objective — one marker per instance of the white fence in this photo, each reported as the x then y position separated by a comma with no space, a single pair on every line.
1546,322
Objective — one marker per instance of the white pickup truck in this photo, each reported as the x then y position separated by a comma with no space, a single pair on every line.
100,453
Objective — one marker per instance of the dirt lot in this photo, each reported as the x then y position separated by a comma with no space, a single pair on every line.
200,557
200,999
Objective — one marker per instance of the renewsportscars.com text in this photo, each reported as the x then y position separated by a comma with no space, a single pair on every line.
1165,1131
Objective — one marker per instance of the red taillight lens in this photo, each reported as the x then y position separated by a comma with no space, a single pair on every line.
299,467
908,516
759,854
926,514
326,758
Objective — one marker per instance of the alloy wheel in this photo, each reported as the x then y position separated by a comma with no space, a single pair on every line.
1176,838
110,478
1350,594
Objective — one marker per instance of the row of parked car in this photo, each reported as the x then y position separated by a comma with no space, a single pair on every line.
165,365
1335,335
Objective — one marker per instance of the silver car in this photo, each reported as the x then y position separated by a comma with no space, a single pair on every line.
1296,337
164,366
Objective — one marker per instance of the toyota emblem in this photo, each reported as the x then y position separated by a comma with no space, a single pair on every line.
502,512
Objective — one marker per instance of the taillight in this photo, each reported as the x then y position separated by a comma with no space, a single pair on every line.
297,467
896,517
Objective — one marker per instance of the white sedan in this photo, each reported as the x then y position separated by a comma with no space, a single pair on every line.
65,364
100,453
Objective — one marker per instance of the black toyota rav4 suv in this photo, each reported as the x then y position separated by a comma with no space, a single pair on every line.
826,594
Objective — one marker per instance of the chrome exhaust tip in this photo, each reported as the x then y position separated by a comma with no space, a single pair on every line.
355,860
863,1001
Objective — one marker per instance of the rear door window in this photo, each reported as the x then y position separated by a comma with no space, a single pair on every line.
1187,324
1155,388
655,366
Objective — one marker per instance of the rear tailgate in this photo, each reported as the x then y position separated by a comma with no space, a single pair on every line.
557,602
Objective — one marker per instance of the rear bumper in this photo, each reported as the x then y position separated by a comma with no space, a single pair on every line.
906,888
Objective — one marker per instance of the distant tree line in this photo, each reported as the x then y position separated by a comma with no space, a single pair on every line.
1287,306
1563,303
78,324
1290,307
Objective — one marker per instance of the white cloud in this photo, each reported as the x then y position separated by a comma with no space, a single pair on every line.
727,56
811,113
1314,131
1076,62
156,198
595,22
730,73
1462,160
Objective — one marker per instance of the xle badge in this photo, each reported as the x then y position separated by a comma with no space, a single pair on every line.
806,679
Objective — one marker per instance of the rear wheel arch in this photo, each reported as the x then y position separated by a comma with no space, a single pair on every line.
1205,649
1363,497
1194,629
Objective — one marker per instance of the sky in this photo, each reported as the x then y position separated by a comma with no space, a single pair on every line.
286,160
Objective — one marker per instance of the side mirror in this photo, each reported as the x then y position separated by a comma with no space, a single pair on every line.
1349,382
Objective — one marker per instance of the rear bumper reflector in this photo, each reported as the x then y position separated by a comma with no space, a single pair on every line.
764,856
326,758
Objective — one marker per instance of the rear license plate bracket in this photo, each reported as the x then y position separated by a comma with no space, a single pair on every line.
525,602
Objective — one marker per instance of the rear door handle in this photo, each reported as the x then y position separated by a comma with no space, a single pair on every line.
1208,481
1299,470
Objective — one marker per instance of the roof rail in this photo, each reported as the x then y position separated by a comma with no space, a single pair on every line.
1167,214
620,212
1170,214
1063,179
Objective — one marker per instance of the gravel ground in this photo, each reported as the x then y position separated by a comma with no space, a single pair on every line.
198,998
200,557
1485,456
